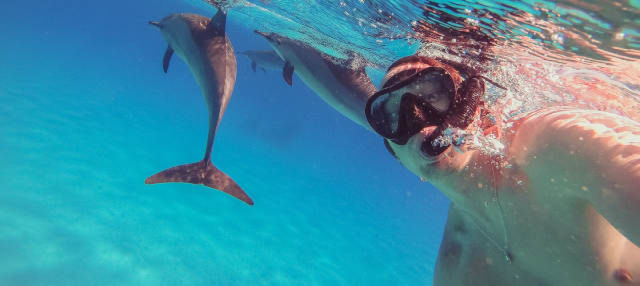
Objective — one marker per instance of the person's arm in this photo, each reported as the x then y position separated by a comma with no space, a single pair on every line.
589,154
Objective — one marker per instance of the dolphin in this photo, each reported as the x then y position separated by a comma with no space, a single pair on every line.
265,59
203,44
343,84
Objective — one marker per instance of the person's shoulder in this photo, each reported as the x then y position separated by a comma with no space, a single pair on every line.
563,116
593,135
573,125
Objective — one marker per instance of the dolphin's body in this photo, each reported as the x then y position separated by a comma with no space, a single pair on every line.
343,84
203,44
264,59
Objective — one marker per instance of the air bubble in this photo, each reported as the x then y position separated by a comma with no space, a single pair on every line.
558,38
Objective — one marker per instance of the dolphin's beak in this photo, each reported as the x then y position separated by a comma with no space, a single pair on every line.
154,23
268,36
262,34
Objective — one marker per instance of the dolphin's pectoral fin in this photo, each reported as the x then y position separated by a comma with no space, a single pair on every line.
167,58
204,173
263,70
287,73
253,66
389,149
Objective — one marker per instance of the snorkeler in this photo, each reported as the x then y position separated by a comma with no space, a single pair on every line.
558,206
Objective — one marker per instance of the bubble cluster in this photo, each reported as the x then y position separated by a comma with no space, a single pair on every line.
463,140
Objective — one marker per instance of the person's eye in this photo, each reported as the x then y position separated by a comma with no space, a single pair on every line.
408,94
438,100
433,97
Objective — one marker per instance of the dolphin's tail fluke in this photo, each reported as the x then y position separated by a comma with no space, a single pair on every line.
201,173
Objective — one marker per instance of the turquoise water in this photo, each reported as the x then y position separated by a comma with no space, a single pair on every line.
87,115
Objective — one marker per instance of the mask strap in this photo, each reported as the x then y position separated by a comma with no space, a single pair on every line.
487,79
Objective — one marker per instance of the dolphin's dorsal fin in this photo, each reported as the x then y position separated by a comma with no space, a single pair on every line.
167,58
287,73
218,23
356,61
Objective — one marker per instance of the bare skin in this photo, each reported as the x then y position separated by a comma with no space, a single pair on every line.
560,208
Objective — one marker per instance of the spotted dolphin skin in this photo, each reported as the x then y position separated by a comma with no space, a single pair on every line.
343,84
203,44
264,59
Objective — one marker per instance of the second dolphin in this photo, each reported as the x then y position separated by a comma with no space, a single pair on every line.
343,84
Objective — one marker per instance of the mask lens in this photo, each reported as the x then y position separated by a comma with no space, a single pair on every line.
435,89
385,113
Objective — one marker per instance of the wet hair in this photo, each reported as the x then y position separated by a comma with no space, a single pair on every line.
396,78
407,66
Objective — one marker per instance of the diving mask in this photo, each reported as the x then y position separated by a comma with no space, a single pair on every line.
401,110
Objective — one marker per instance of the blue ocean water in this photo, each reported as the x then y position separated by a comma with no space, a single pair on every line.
86,114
